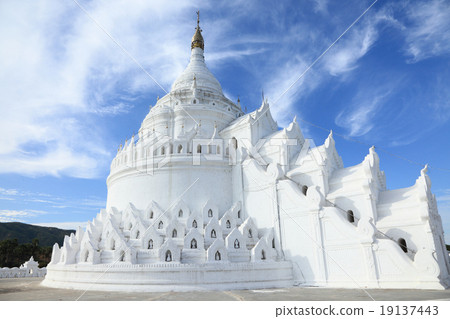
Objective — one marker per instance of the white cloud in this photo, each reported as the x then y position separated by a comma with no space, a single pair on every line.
426,105
59,72
64,225
232,54
320,6
18,215
359,118
428,34
119,108
41,98
358,121
439,102
22,193
345,56
444,196
356,43
50,202
93,202
340,60
283,98
8,192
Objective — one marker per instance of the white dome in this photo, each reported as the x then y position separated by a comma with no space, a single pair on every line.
197,68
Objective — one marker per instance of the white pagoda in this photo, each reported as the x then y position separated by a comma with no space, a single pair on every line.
207,197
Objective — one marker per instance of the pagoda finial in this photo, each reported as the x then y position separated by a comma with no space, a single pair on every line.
424,170
197,39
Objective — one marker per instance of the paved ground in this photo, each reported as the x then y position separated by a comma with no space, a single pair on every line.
30,289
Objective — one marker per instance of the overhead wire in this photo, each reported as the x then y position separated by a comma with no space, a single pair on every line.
348,138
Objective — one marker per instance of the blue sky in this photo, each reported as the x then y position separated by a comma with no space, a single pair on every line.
69,95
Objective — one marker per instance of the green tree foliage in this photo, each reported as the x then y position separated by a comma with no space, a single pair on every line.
13,254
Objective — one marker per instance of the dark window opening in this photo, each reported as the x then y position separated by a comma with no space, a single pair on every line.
350,216
234,143
168,256
304,189
402,243
217,256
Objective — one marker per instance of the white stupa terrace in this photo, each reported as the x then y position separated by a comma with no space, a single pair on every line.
29,268
207,197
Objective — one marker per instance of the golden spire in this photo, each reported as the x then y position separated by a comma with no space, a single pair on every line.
197,39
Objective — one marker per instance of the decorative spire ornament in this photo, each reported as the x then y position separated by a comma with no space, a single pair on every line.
197,39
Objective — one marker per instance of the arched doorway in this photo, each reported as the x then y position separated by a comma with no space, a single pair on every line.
217,256
168,256
402,243
304,189
350,216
